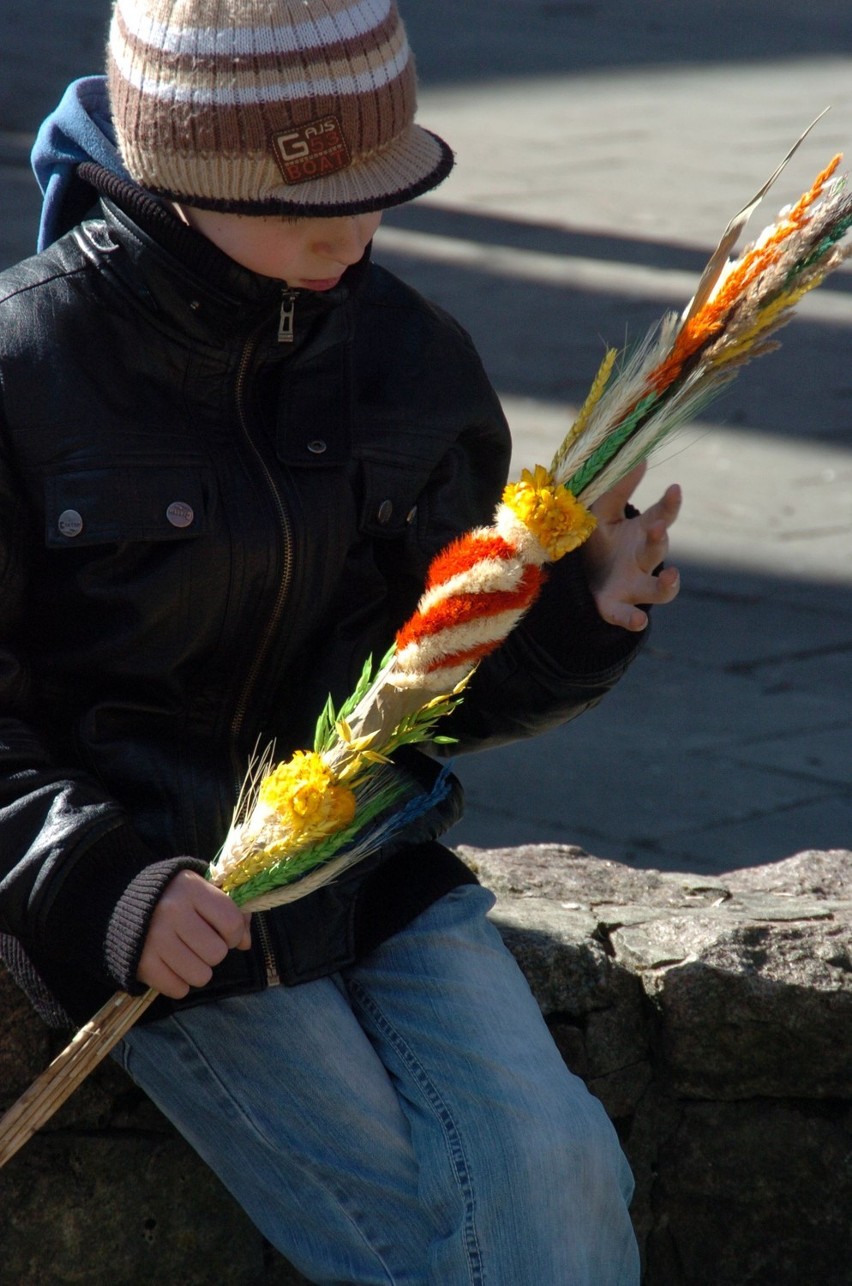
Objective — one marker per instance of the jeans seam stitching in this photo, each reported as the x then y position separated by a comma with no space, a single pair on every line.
452,1135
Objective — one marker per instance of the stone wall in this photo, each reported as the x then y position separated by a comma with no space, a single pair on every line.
712,1016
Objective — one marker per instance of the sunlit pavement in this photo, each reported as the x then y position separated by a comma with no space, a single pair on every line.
601,151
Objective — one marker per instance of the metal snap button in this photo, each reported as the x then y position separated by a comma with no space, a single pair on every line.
70,523
385,511
180,514
317,446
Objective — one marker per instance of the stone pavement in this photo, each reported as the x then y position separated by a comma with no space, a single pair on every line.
602,149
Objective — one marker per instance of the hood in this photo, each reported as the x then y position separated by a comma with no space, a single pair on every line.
80,129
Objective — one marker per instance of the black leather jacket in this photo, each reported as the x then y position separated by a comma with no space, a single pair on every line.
205,527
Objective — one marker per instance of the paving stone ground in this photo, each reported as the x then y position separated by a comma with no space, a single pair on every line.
602,148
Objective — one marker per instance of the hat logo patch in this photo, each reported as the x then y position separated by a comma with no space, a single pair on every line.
311,151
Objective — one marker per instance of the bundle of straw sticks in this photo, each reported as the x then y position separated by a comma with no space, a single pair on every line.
299,824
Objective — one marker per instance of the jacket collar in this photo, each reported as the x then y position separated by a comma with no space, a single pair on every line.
188,277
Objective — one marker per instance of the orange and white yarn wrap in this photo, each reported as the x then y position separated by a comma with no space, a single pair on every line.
481,585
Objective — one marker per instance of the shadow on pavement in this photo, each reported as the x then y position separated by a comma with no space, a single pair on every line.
725,746
476,41
544,340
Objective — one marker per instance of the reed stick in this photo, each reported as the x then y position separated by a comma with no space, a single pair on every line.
69,1069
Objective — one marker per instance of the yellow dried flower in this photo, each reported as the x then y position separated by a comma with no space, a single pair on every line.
554,516
305,795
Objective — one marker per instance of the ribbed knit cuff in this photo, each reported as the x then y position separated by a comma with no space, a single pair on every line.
94,929
128,925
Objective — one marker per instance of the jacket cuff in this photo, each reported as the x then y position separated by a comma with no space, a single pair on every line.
128,925
565,623
99,917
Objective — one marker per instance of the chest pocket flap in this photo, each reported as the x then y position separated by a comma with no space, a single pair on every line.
131,503
390,494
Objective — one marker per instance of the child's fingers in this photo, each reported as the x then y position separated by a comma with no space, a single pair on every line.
162,978
171,967
655,523
210,915
610,506
624,608
666,510
245,941
655,590
617,611
225,918
193,927
191,966
668,584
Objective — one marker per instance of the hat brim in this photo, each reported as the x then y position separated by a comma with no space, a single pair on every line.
415,162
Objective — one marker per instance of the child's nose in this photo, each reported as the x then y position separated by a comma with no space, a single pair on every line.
345,239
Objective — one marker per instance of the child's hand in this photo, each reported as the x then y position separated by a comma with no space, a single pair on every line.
621,554
193,927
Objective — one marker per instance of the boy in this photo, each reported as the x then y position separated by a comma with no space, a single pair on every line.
230,446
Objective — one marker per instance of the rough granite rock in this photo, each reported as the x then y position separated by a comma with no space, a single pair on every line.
726,1004
711,1015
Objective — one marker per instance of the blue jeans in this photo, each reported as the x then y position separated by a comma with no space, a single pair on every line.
408,1120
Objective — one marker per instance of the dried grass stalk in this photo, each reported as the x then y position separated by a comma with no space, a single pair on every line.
59,1081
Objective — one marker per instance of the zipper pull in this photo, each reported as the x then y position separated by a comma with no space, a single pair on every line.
259,927
285,318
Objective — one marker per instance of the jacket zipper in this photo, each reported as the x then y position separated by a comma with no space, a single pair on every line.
286,317
260,927
258,920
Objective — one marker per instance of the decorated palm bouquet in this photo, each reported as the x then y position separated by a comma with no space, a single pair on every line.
298,824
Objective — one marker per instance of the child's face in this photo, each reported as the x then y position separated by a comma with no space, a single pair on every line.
307,254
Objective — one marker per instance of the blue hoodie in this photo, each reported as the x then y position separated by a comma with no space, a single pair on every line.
80,129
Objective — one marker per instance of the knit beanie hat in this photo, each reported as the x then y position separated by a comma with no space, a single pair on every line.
299,107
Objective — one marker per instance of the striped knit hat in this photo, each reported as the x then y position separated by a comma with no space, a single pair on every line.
302,107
